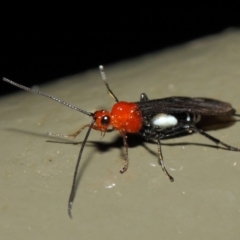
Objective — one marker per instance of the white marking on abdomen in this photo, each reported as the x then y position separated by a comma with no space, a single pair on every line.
163,121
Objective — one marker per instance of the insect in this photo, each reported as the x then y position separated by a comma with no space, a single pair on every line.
153,119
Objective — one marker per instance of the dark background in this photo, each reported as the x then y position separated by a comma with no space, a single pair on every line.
34,52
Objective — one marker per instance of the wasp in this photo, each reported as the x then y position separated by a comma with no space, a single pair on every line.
153,119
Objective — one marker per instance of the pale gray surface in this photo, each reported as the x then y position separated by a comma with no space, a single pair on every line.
36,175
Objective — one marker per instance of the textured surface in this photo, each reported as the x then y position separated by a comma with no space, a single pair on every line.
36,175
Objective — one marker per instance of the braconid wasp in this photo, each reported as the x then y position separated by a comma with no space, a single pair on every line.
153,119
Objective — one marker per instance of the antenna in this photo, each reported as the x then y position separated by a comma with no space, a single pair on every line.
48,96
73,190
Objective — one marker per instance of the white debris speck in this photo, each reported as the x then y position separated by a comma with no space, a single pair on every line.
111,185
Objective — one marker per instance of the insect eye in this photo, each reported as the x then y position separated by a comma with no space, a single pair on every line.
105,120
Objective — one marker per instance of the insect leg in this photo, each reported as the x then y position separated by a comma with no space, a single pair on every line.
101,68
68,135
143,97
215,140
161,162
124,136
76,133
177,131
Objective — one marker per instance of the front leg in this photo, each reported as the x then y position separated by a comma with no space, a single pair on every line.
124,136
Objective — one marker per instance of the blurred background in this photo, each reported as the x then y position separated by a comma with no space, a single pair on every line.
37,47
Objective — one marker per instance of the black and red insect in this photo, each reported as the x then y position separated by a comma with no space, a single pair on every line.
153,119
